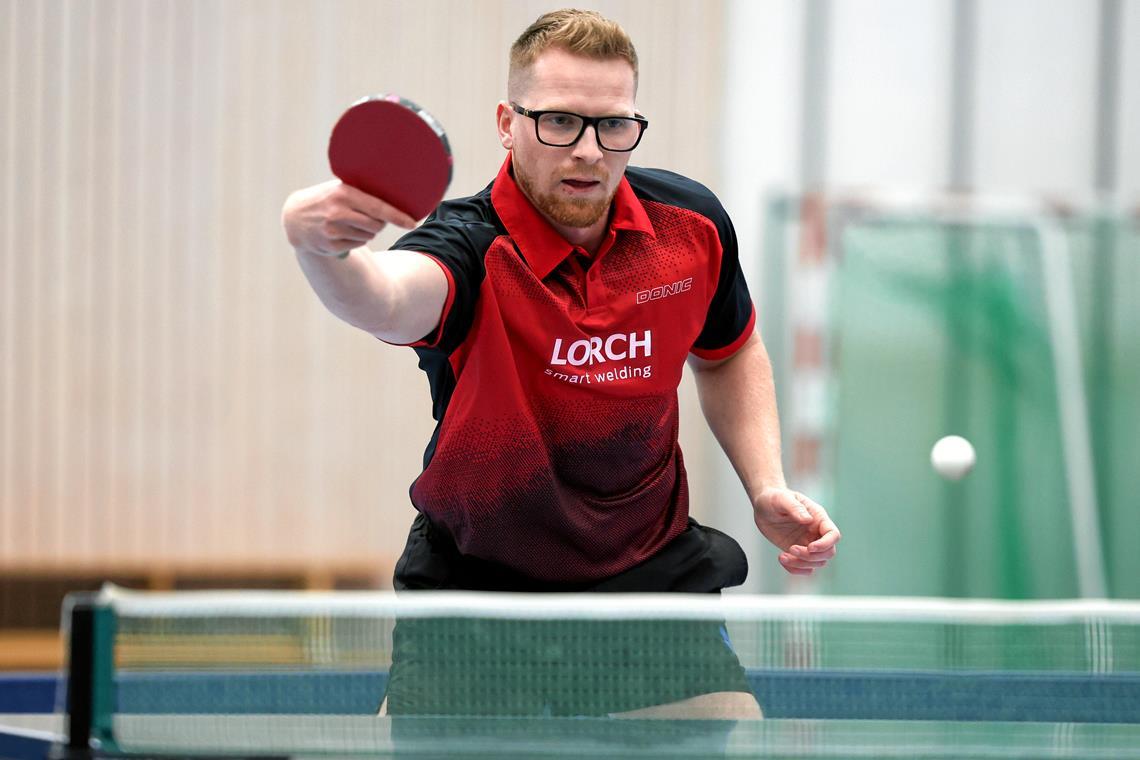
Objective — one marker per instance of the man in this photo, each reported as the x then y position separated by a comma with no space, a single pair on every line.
553,313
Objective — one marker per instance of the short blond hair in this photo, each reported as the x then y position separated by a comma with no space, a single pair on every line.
585,33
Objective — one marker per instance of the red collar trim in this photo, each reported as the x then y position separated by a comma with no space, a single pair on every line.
541,245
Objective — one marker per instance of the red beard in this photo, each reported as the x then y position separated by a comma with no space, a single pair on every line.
569,212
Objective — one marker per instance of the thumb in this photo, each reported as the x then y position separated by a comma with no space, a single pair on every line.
799,508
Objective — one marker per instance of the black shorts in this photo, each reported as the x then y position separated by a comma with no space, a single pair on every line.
558,667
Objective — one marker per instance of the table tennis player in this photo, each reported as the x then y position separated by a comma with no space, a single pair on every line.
553,313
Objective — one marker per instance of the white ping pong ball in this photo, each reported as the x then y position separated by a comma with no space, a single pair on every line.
953,457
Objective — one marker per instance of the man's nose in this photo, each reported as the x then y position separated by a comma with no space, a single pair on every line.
587,147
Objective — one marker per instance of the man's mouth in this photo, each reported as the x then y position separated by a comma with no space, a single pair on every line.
581,184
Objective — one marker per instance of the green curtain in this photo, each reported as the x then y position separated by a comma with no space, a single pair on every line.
939,328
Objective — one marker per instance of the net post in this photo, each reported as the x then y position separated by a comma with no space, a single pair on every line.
79,618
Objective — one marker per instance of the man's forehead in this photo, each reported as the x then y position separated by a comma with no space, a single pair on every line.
560,73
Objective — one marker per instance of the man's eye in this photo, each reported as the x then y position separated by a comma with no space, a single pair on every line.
616,125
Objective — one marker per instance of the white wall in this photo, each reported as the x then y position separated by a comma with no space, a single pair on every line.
170,387
888,96
1035,118
889,89
1128,164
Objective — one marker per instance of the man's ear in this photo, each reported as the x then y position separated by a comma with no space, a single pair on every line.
504,116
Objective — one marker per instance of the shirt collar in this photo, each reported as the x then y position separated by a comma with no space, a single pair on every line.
541,245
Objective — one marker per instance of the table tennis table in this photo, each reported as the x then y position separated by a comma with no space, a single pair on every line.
833,715
371,736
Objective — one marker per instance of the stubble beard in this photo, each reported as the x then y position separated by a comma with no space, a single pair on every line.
569,212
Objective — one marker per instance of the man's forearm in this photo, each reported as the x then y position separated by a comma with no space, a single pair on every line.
738,398
352,288
397,296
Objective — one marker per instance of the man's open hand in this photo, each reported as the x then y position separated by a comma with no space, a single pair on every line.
799,527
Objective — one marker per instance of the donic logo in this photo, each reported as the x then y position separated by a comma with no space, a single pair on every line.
664,291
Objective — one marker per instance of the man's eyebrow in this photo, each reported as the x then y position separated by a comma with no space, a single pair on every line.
620,114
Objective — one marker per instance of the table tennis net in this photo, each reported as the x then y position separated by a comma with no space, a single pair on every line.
480,654
224,630
546,675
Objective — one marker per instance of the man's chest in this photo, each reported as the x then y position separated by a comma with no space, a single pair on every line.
624,322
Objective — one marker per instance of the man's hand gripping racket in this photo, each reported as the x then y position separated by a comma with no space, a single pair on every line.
393,165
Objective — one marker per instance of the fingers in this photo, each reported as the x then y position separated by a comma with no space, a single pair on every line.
828,540
354,218
333,238
795,505
798,566
375,208
816,555
807,553
806,506
332,217
804,560
347,230
357,223
798,560
828,532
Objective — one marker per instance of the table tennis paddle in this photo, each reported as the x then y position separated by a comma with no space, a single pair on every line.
393,150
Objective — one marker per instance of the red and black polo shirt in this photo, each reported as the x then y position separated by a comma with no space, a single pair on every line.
554,376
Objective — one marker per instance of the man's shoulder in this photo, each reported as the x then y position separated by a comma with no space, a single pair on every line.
464,227
476,210
671,188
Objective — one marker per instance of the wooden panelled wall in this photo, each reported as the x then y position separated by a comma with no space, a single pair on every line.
171,389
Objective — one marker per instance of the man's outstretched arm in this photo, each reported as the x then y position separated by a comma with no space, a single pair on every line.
397,296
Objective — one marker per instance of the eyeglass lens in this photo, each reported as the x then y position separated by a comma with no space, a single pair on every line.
563,129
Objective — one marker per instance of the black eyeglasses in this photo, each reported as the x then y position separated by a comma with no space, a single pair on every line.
560,129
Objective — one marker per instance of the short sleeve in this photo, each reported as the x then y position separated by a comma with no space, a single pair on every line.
456,236
731,315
